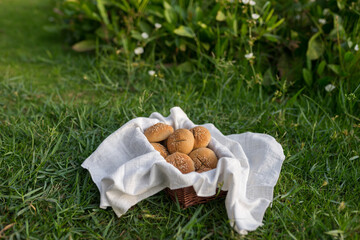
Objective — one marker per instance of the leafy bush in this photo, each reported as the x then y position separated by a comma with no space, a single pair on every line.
302,43
176,31
320,42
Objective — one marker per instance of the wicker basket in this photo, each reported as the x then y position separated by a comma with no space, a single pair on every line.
187,196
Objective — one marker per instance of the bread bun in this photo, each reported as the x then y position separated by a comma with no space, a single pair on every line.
181,161
182,140
202,136
203,169
161,149
204,158
158,132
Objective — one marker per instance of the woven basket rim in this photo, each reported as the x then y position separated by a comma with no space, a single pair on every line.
187,196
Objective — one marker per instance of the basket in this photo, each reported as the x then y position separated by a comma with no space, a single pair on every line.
187,196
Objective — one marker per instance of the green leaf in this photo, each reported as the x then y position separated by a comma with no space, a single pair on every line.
184,32
244,29
271,37
307,76
321,67
145,27
102,11
349,57
170,16
275,25
292,100
136,35
202,25
267,18
206,46
123,5
315,47
143,5
335,68
198,14
89,12
294,34
170,13
181,13
308,64
220,16
341,4
167,5
235,26
84,46
266,8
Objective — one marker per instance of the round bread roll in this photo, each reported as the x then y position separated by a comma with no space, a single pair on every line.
161,149
158,132
203,169
181,161
182,140
204,158
202,136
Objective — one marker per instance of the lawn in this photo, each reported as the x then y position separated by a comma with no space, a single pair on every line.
57,106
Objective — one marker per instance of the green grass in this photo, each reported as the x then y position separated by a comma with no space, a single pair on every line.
52,118
31,55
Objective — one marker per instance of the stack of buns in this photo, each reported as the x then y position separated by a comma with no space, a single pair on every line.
185,149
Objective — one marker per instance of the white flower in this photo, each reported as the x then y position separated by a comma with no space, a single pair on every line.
255,16
249,56
144,35
329,87
322,20
252,3
356,48
158,25
297,17
245,1
139,50
151,72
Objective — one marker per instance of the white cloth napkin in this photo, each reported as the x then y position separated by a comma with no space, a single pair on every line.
127,169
